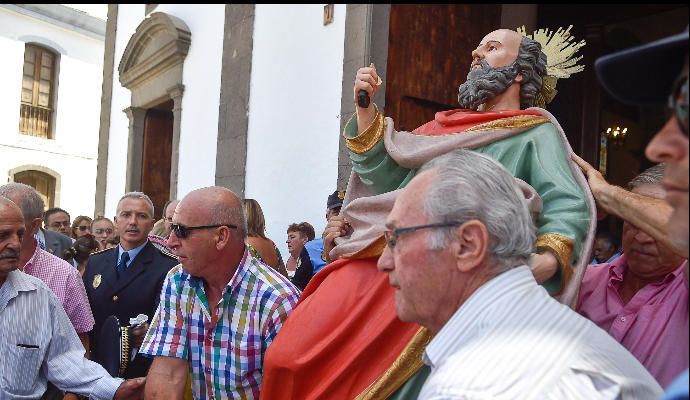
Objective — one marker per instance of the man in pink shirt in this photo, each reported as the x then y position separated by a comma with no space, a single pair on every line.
61,277
641,298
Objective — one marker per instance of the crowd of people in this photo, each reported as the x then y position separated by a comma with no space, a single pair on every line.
462,262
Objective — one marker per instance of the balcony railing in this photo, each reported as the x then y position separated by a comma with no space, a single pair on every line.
35,121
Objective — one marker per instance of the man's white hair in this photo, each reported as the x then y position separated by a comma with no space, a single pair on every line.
471,186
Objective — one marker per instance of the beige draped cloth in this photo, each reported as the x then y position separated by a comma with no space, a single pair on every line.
366,212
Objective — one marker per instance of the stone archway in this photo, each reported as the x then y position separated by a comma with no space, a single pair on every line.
46,181
151,67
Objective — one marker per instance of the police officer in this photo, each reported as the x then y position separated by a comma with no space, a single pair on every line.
126,280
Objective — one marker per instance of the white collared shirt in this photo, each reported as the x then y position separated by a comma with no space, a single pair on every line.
39,344
511,340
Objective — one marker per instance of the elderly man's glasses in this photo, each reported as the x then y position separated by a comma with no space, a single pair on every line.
678,102
182,231
391,235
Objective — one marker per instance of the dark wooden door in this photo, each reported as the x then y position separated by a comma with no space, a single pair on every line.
429,56
155,175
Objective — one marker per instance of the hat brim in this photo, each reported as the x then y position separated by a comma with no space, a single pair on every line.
332,206
644,74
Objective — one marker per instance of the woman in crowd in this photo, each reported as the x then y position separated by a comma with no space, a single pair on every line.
81,226
297,236
260,246
102,229
80,251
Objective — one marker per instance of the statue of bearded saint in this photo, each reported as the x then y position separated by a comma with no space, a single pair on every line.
484,83
361,343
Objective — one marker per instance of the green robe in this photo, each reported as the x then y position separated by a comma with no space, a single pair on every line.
537,156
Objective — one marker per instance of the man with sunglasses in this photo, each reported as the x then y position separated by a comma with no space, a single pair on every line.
654,73
126,280
220,309
459,239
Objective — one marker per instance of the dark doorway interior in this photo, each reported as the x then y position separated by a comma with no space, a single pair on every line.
584,109
155,175
429,56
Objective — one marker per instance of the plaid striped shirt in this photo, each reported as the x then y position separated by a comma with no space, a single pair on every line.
66,283
226,350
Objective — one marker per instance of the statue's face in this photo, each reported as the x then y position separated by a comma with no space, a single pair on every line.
499,48
493,68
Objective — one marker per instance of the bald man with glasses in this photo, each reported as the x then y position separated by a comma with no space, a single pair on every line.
220,309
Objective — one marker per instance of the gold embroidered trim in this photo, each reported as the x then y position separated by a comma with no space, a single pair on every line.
407,364
561,247
366,140
516,122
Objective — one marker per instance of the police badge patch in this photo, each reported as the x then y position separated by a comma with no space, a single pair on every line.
96,281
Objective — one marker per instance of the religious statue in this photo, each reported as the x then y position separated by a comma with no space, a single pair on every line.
344,339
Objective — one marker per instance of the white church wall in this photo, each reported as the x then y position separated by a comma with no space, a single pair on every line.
201,79
129,16
202,67
294,108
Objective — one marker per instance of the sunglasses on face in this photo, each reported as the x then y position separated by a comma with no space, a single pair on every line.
101,231
182,231
83,228
678,102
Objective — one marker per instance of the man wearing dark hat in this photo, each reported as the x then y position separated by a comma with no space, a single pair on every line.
654,73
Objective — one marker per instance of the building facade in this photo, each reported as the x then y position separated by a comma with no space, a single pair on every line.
51,75
254,97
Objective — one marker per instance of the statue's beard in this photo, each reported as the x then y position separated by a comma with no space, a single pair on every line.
485,83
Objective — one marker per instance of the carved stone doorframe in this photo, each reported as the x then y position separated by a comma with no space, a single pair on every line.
151,68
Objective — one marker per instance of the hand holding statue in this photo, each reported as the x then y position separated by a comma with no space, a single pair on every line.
597,184
543,266
337,226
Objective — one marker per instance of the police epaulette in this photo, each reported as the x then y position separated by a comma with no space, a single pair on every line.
104,250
